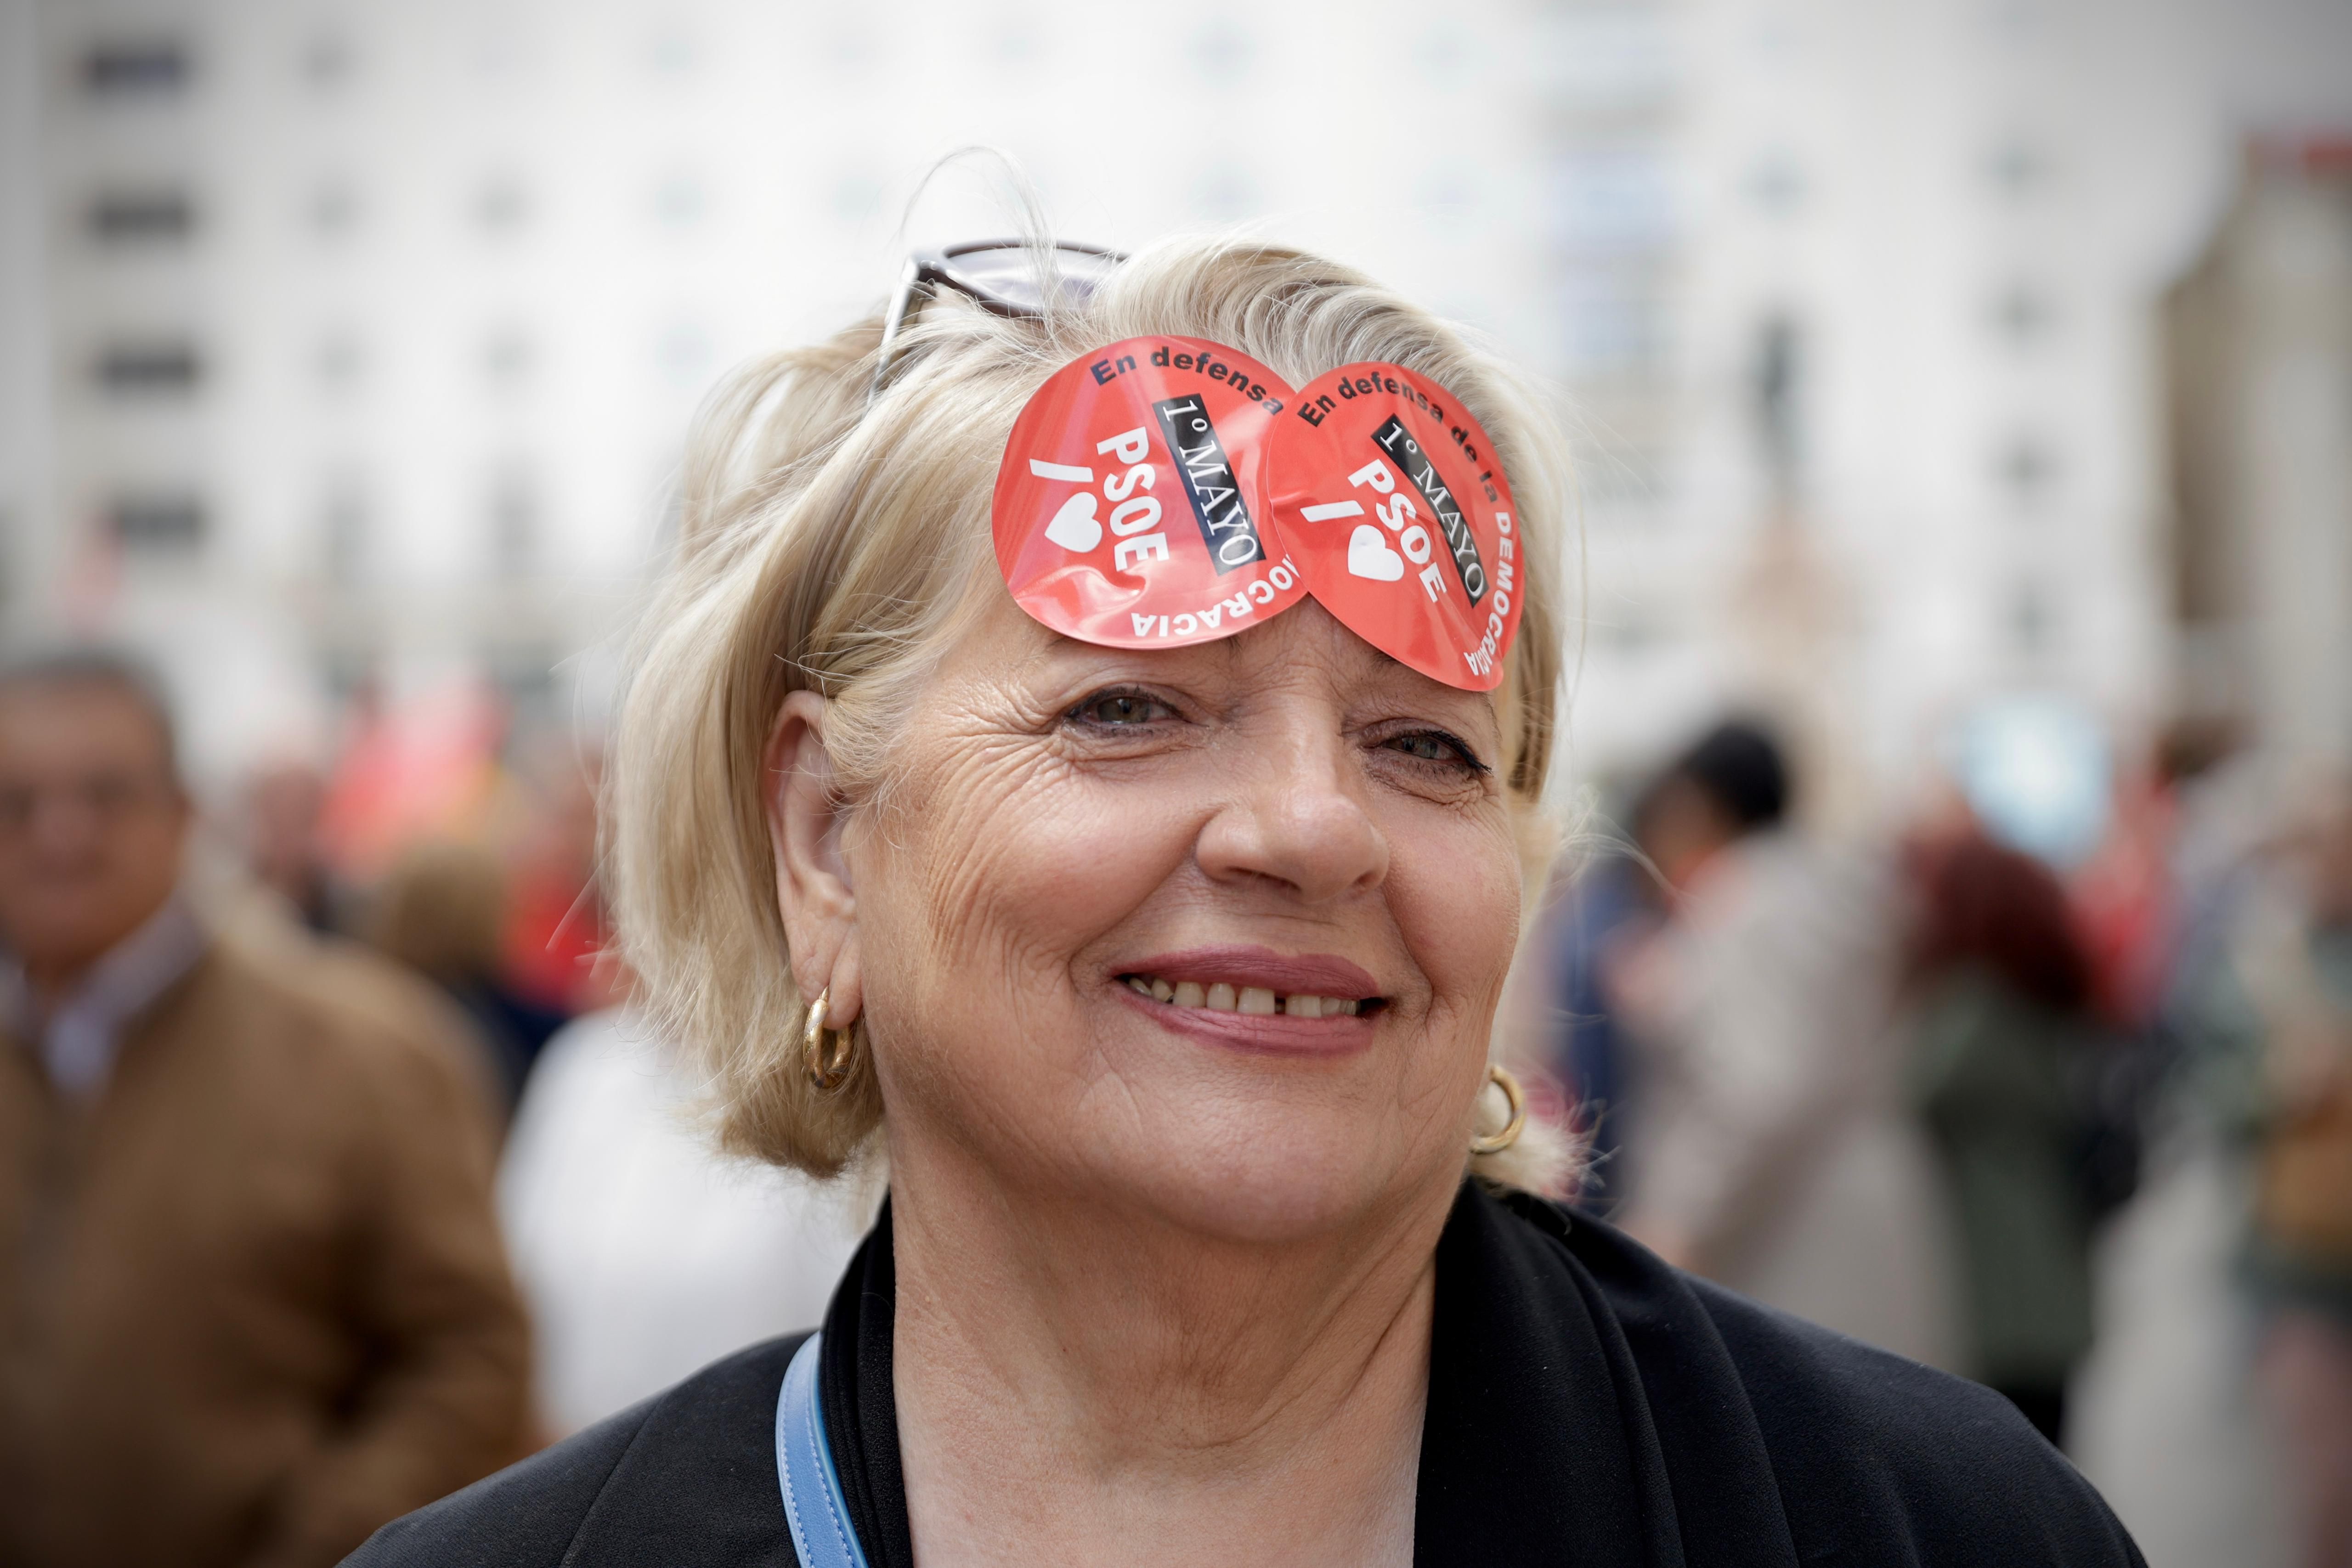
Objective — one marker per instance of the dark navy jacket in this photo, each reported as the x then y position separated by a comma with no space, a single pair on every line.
1588,1406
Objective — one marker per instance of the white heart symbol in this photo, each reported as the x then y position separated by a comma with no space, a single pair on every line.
1369,555
1075,529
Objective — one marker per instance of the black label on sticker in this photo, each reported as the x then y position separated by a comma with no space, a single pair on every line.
1216,494
1407,455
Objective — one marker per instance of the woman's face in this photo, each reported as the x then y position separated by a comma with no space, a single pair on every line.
1217,932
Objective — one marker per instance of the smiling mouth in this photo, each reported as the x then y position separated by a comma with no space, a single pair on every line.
1256,1001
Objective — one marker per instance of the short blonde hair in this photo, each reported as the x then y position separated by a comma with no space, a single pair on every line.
827,546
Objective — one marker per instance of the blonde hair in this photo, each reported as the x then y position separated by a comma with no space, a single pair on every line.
832,547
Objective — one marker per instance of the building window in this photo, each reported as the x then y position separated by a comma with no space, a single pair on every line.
501,206
508,356
672,53
1777,388
2019,168
141,217
1221,53
2033,621
514,525
339,362
1227,192
135,69
680,201
1615,322
2023,314
2028,467
158,522
329,61
333,209
1613,200
148,370
1776,185
343,533
855,49
685,354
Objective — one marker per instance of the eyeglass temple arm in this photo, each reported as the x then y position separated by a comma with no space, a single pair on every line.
910,282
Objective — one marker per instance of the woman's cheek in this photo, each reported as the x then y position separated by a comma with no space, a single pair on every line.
1021,871
1453,889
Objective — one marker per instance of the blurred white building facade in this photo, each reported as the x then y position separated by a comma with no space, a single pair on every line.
1893,426
351,343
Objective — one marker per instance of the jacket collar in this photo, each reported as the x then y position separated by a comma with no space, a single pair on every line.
1561,1425
79,1037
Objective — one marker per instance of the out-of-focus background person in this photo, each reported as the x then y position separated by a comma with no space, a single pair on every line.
1770,1147
442,911
2298,975
1604,902
277,824
252,1298
644,1255
2002,1068
553,944
2273,1022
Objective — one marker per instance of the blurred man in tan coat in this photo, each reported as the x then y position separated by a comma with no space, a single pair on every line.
252,1299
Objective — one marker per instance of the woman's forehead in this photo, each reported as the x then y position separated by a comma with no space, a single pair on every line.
1307,648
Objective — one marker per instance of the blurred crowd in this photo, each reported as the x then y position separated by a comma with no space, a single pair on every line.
335,1171
1906,1088
339,1170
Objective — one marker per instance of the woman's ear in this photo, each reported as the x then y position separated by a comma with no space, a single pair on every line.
813,892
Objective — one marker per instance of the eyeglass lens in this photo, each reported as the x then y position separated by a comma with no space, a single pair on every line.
1009,275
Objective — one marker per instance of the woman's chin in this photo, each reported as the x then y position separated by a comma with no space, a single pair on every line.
1293,1181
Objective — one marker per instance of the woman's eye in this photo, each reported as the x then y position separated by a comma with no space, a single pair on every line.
1434,746
1123,708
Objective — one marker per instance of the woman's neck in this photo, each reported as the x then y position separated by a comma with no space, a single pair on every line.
1075,1385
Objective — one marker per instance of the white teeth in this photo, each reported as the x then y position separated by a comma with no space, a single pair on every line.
1258,1001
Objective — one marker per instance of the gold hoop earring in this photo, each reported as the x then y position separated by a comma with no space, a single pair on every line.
1495,1143
828,1062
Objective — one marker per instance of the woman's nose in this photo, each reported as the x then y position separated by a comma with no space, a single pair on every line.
1296,817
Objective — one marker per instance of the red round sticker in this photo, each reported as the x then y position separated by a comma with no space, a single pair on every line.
1132,507
1395,507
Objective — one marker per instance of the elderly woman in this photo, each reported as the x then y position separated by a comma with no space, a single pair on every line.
1138,894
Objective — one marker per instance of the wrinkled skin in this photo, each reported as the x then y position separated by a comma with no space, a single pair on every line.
1291,788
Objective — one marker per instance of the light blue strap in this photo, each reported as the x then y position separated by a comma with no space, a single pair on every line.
821,1533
